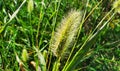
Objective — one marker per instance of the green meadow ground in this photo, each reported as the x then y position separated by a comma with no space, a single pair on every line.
59,35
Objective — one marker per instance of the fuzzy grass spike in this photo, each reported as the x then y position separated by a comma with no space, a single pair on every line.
65,33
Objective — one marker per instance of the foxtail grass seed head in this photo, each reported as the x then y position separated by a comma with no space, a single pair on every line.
24,55
65,32
116,6
30,6
45,54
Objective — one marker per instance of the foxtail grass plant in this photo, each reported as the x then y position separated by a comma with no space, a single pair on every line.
64,37
39,42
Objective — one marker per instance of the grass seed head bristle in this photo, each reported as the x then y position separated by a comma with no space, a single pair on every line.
30,6
65,32
116,6
24,55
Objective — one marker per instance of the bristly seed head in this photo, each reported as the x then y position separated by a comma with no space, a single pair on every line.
30,6
24,55
116,6
65,33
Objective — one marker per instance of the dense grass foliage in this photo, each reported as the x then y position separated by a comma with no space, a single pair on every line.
59,35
